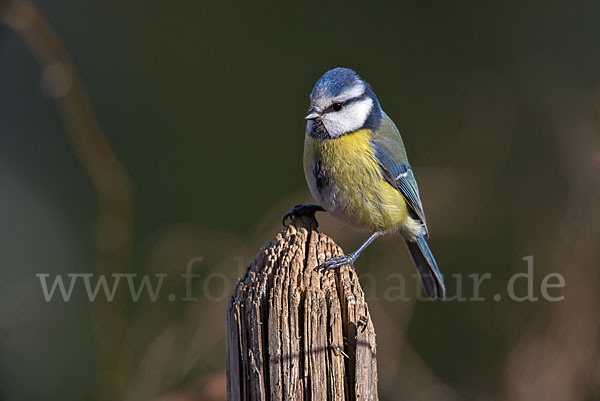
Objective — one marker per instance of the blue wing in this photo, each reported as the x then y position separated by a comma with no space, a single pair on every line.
391,157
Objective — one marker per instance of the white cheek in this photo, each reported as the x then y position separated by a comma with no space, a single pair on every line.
349,118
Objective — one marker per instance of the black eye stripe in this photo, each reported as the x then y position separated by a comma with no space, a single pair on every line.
343,104
334,107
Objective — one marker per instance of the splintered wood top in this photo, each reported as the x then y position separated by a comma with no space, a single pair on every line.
295,333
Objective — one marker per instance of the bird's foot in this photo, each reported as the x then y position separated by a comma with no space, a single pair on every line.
302,210
336,262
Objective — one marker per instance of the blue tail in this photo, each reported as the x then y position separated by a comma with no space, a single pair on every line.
432,280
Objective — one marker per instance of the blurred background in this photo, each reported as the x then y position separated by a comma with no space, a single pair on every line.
190,150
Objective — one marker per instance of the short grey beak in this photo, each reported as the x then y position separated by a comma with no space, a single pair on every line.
312,114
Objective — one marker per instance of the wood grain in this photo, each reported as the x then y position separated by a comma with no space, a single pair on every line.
294,333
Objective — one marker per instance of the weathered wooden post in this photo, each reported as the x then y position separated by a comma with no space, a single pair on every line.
294,333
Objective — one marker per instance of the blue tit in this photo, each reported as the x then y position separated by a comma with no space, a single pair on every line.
356,168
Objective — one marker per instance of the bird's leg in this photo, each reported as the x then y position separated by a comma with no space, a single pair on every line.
302,210
342,260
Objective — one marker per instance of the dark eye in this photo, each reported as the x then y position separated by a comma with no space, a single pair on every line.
336,106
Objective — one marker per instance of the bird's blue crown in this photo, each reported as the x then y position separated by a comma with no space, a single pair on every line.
335,81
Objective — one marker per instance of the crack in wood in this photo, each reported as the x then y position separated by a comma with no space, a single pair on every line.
294,333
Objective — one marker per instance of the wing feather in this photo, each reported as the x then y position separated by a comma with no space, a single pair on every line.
391,157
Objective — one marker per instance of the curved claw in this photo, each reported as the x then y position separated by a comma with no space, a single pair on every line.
336,262
301,210
287,215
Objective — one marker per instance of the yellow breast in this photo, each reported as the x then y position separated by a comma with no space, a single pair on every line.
352,187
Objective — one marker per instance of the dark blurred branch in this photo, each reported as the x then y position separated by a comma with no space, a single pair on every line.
113,232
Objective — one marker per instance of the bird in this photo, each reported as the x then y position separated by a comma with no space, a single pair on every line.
356,167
